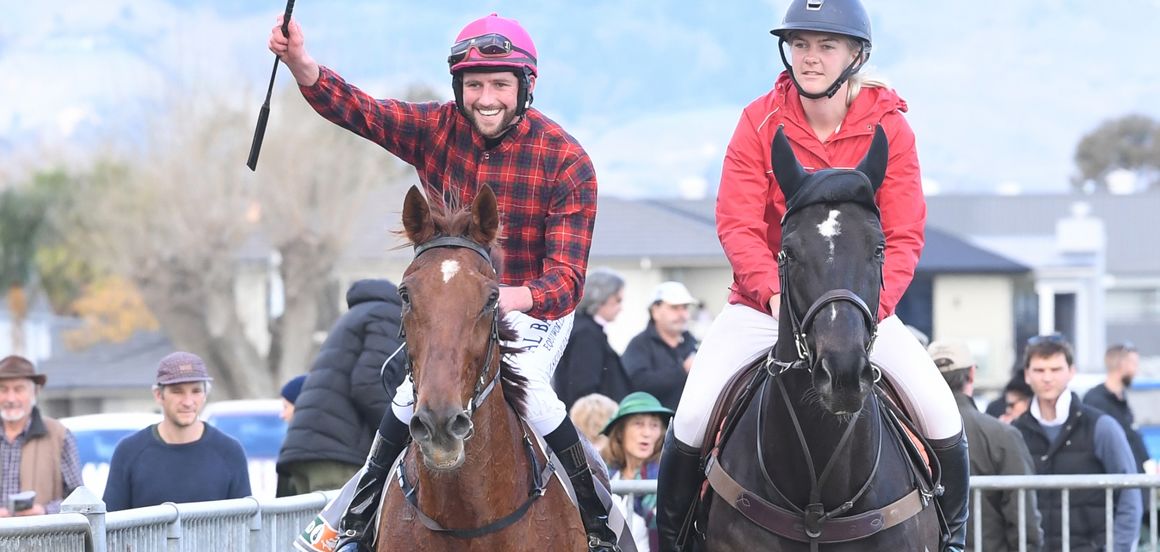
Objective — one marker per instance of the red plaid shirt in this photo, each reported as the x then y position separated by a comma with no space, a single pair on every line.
543,179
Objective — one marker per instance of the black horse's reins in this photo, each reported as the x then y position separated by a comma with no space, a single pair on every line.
806,525
483,388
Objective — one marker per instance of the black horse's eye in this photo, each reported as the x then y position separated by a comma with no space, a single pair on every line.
880,251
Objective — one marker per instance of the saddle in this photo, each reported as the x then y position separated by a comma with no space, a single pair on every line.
735,400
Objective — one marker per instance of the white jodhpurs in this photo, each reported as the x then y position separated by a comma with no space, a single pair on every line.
543,344
739,335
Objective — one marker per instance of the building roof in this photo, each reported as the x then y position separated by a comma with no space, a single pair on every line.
1133,241
132,363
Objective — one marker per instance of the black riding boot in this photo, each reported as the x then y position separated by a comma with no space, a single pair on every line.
677,486
390,440
956,478
565,442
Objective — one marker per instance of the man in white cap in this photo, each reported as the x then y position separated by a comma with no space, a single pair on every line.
996,449
658,359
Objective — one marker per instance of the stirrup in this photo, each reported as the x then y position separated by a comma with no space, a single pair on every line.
596,544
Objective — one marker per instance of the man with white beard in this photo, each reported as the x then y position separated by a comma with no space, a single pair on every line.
39,465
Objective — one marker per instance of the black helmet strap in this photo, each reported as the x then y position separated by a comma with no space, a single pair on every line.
856,65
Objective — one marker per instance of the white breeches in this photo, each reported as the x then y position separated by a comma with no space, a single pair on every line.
739,335
543,344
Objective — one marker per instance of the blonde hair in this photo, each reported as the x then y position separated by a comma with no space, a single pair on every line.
590,414
863,79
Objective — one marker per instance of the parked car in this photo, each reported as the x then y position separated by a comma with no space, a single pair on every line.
97,436
257,425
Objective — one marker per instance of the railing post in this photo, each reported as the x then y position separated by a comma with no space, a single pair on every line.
83,501
257,540
173,532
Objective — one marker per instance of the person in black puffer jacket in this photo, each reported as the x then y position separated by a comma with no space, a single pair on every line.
344,396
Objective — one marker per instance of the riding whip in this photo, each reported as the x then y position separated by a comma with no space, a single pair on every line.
264,114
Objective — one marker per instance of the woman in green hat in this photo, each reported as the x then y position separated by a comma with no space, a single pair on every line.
635,435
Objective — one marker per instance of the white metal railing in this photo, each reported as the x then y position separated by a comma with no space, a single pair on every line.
253,525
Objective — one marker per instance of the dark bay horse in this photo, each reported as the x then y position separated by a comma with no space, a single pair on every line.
814,462
471,479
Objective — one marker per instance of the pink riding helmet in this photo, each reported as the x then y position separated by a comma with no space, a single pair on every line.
519,53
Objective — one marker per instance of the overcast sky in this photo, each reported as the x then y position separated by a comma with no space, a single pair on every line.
1000,91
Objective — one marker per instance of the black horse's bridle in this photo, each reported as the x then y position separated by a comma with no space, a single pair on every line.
814,514
800,325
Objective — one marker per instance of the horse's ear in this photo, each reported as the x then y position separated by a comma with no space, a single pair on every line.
786,168
417,217
874,164
484,216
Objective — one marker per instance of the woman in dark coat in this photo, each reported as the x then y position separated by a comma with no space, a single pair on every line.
589,364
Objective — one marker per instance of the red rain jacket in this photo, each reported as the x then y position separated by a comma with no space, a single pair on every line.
750,203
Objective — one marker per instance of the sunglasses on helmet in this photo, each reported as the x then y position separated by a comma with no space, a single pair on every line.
489,46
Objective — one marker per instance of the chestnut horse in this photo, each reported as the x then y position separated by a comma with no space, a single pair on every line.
472,478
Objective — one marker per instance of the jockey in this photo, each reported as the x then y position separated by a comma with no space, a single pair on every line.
829,112
546,188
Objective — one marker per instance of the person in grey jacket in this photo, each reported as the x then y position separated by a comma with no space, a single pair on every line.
344,396
996,449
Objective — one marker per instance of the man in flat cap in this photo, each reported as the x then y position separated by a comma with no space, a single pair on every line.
181,458
39,465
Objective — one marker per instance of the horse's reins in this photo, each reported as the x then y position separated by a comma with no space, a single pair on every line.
815,512
483,388
813,524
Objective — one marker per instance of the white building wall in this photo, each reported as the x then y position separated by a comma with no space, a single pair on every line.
978,309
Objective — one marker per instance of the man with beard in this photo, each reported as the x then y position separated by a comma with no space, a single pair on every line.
37,454
546,189
1111,397
181,458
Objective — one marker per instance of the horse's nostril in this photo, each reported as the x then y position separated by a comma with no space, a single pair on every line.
419,430
460,426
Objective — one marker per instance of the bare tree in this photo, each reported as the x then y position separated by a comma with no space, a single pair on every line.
184,217
1130,143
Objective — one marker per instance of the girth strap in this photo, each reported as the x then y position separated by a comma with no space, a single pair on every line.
782,522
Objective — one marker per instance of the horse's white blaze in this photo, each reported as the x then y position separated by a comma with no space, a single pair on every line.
450,268
830,229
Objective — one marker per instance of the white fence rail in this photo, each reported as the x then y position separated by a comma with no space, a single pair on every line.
252,525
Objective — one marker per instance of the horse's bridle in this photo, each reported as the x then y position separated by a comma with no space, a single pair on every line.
800,325
483,385
814,514
541,475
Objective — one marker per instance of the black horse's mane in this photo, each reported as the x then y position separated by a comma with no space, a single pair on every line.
455,220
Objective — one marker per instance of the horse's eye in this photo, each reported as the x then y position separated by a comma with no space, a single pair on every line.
405,296
493,299
880,251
